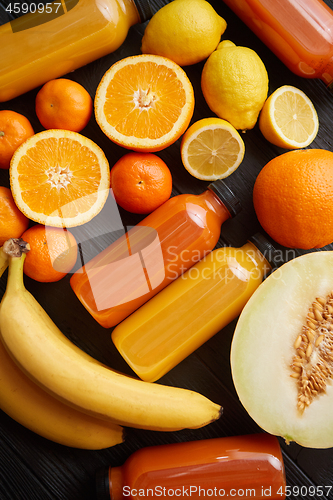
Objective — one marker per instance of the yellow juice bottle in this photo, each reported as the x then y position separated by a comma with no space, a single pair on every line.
60,37
193,308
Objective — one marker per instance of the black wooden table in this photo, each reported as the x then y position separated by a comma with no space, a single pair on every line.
33,468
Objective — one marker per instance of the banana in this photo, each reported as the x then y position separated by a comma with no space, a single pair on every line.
38,411
3,262
53,361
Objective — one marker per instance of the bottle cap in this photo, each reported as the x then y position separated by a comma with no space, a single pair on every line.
267,249
227,197
144,9
102,484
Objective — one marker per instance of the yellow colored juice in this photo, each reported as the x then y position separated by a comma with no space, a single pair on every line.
189,311
31,56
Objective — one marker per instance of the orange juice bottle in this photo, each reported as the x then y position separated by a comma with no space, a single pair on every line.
60,37
193,308
228,467
299,32
153,253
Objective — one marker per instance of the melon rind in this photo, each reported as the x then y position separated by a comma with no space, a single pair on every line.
263,347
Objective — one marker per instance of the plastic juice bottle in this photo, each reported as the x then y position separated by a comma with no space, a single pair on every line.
299,32
193,308
156,251
237,467
61,37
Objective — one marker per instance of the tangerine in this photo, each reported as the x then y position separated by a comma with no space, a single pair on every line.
14,130
63,104
293,198
53,253
12,222
141,182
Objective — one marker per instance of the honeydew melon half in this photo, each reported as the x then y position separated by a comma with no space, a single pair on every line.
285,385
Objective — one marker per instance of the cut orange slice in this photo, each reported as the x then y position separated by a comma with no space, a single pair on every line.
288,118
59,178
212,149
144,102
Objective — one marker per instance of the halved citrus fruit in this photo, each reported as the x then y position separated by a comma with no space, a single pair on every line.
211,149
59,178
289,119
144,102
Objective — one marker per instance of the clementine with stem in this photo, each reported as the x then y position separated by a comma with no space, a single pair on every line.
14,130
12,222
141,182
63,104
52,254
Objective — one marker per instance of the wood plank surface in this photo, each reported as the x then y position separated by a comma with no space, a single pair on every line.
33,468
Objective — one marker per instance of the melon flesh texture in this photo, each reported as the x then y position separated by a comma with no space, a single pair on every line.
263,348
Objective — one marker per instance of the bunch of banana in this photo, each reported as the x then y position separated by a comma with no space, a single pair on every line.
31,406
51,360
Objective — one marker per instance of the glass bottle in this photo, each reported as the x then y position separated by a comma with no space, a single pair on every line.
60,37
193,308
228,467
299,32
153,253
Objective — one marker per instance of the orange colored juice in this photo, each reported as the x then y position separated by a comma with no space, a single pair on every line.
39,47
299,32
230,467
152,254
193,308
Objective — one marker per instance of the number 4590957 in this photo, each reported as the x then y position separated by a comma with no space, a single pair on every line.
303,491
25,8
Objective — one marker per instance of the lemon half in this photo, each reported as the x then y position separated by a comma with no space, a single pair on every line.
288,118
211,149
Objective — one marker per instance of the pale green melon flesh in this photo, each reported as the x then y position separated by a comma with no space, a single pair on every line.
263,348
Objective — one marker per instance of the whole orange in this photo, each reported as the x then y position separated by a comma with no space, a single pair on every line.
53,253
12,222
293,198
141,182
14,130
63,104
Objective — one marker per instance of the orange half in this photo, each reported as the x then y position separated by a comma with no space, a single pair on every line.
144,102
59,178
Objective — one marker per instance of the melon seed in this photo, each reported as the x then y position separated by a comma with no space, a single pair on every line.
308,350
316,337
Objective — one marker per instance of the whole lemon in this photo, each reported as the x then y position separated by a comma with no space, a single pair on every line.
185,31
234,83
